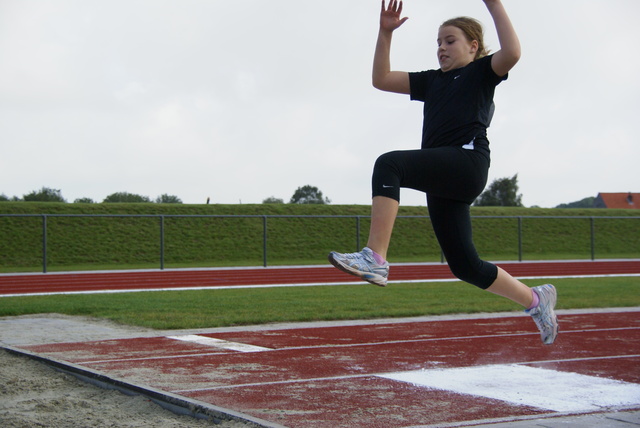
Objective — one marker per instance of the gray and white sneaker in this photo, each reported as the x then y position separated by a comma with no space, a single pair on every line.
544,315
362,265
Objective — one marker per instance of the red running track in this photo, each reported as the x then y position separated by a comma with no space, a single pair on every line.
211,278
343,376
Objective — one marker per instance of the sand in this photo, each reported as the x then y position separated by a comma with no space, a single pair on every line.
35,395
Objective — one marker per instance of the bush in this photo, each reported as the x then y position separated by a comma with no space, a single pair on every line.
126,198
273,200
168,199
84,201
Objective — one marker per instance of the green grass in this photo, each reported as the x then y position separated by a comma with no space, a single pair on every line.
86,243
218,308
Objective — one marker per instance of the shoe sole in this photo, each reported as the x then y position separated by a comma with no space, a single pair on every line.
371,278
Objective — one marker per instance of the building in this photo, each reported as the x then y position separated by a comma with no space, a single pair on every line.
627,200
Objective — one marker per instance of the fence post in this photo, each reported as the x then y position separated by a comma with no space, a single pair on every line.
44,243
593,239
358,233
161,242
520,239
264,240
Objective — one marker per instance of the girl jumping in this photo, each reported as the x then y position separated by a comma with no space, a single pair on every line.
453,163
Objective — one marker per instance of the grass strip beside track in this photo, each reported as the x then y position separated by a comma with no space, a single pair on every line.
229,307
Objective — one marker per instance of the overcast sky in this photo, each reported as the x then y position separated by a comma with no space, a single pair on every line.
240,100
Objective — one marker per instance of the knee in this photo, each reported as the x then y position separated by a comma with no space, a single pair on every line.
388,167
462,271
481,274
387,161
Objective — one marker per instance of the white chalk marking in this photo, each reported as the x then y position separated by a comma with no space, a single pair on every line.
219,343
528,386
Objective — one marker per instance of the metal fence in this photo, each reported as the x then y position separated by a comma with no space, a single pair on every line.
518,230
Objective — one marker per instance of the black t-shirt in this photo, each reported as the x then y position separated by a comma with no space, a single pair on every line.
458,104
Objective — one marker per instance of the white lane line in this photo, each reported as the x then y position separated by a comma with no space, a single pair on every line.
219,343
528,386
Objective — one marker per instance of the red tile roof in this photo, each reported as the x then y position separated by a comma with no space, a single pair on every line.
625,200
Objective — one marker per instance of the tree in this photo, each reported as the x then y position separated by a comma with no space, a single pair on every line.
126,197
503,192
44,195
168,199
273,200
308,195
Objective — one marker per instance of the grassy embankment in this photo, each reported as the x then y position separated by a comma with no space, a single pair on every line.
79,243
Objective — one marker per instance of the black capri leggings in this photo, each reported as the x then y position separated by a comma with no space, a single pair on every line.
452,178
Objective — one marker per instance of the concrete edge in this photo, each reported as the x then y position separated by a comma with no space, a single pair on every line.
175,403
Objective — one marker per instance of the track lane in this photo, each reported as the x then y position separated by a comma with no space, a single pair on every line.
54,283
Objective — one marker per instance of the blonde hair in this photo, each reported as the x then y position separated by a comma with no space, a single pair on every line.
472,29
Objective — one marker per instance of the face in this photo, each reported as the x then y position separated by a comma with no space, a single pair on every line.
454,50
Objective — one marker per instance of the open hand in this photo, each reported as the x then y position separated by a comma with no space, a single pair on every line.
390,16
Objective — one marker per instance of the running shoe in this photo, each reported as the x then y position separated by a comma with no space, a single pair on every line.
544,315
361,265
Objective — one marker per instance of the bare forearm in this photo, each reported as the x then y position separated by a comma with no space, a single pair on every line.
383,78
381,58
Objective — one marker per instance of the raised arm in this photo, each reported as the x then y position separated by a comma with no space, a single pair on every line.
509,52
382,77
